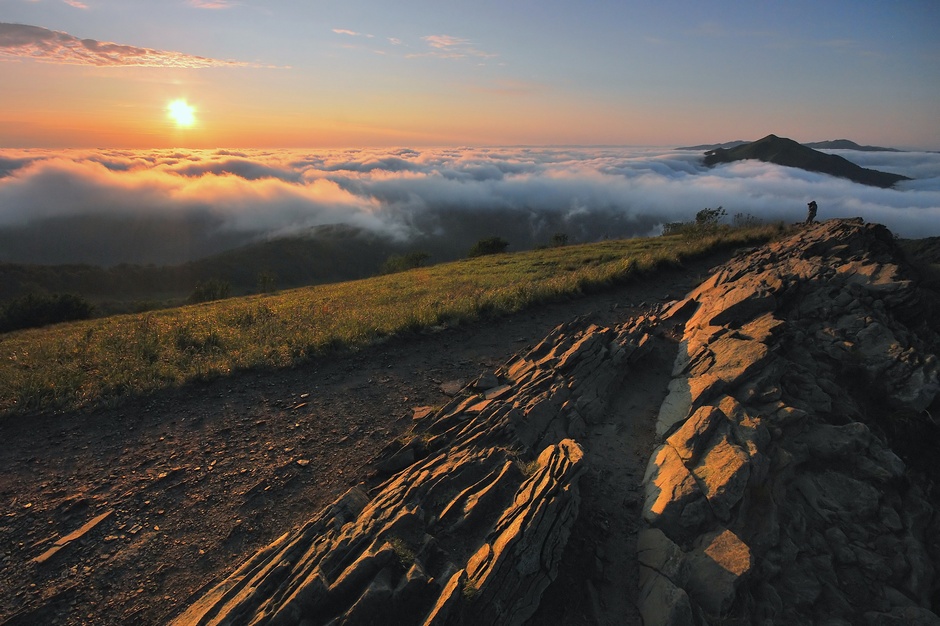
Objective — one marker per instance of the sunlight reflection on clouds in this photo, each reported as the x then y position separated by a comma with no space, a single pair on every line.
594,192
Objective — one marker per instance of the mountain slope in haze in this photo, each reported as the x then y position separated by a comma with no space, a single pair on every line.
327,254
789,153
715,146
846,144
832,144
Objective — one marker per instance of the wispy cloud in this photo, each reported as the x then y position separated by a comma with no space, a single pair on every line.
23,41
76,4
450,47
351,33
445,42
211,4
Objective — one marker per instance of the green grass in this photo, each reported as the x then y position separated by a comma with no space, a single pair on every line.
101,361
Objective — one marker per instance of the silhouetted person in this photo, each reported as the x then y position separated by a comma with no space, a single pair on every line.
811,212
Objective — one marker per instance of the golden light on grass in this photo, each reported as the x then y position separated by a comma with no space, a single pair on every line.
182,113
67,366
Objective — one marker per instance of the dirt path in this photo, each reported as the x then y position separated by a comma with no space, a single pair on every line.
125,514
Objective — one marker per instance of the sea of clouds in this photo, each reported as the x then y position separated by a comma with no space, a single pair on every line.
168,206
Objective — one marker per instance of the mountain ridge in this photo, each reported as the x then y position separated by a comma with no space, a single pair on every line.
831,144
789,153
846,144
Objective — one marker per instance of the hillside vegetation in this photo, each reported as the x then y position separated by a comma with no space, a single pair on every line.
327,254
100,361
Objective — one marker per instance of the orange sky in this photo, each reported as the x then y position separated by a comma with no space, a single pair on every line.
370,74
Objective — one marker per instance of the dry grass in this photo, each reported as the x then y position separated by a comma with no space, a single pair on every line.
101,361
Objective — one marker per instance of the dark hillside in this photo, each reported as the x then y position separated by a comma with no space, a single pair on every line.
329,254
715,146
926,250
782,151
846,144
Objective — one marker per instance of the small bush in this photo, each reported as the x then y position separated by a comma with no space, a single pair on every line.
558,240
213,289
406,555
675,228
491,245
267,282
251,316
707,222
746,220
708,219
189,340
401,262
34,310
144,341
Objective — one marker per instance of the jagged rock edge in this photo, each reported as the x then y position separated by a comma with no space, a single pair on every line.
471,522
803,513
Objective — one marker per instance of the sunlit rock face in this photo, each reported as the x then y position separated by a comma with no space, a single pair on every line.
790,481
777,494
468,517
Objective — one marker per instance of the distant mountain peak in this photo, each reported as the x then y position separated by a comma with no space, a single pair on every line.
789,153
846,144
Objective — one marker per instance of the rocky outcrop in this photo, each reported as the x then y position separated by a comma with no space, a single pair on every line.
789,483
776,495
471,522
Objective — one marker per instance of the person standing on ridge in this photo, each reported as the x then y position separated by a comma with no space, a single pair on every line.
811,212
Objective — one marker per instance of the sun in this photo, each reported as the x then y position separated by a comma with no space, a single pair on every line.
181,113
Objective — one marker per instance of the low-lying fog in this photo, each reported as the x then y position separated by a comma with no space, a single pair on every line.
162,206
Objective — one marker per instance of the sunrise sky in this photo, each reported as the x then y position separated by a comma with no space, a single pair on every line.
278,73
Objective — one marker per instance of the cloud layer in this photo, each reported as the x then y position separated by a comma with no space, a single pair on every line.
443,199
50,46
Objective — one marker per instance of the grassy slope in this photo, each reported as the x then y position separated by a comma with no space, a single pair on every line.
99,361
329,254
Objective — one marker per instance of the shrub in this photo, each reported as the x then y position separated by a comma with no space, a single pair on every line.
267,282
406,555
746,220
558,240
34,310
491,245
707,219
675,228
213,289
402,262
706,223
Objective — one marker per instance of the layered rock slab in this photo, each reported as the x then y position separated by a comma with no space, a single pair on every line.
796,363
471,522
